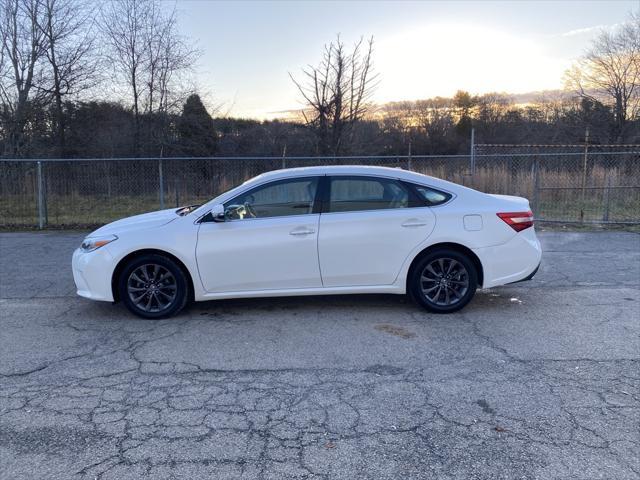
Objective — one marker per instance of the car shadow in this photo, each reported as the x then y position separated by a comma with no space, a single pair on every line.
484,300
303,303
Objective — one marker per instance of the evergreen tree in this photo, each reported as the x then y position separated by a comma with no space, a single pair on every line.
197,137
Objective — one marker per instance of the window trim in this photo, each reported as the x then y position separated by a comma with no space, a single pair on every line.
414,198
322,194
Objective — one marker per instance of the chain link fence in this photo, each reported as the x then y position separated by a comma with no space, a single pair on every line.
588,185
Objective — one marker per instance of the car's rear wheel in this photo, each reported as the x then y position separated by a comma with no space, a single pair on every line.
443,281
153,286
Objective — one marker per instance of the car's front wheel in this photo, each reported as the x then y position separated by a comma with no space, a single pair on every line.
443,281
153,286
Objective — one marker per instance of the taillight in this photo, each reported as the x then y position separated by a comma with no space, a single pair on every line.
518,220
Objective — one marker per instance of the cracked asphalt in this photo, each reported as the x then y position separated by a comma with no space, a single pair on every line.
537,380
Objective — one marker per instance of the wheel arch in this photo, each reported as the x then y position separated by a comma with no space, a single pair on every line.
145,251
452,246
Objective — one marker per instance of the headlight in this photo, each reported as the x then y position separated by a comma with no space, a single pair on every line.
90,244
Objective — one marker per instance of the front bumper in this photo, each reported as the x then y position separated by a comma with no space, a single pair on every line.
92,273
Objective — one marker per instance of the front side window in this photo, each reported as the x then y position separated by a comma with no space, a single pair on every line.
275,199
350,194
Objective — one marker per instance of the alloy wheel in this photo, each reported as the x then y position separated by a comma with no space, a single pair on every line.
152,288
444,281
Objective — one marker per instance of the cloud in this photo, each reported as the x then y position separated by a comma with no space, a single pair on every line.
586,30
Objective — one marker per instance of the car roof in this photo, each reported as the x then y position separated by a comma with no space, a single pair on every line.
331,169
356,170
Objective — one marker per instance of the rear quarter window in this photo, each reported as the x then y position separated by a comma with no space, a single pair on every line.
431,196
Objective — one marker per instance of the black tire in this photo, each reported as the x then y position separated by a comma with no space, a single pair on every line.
165,294
447,291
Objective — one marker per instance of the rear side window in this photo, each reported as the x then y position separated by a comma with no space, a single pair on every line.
432,196
352,194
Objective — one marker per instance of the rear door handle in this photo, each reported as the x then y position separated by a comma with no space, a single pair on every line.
301,231
414,222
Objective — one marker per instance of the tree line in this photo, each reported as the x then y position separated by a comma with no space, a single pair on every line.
115,79
57,54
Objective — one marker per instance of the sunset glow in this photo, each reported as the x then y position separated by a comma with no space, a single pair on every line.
439,59
422,49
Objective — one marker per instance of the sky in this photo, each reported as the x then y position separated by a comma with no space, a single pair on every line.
421,48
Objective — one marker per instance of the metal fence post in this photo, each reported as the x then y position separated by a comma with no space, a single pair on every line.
607,199
536,185
472,156
409,157
584,173
161,182
41,222
284,157
108,175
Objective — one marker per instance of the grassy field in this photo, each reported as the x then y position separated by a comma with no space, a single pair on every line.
80,197
76,210
88,211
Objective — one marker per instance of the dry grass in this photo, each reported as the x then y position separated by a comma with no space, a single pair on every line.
78,207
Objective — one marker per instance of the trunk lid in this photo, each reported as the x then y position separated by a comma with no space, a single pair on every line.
512,203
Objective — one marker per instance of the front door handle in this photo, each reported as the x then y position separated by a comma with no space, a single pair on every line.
301,231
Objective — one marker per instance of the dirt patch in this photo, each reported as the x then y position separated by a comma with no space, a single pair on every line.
394,330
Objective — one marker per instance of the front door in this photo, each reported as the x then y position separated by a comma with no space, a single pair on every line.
268,241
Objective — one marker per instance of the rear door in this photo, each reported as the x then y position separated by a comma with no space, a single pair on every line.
368,227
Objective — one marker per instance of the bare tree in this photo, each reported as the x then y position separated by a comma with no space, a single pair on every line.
123,23
147,53
337,93
68,30
434,118
609,72
23,48
169,56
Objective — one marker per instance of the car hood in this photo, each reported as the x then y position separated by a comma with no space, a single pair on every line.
137,222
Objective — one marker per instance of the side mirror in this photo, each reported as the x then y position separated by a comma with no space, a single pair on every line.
217,212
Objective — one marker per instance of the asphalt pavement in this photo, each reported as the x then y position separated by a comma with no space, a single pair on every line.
536,380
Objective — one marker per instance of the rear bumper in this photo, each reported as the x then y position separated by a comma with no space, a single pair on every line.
92,274
514,261
530,276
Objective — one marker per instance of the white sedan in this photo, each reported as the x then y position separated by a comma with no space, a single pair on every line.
314,231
